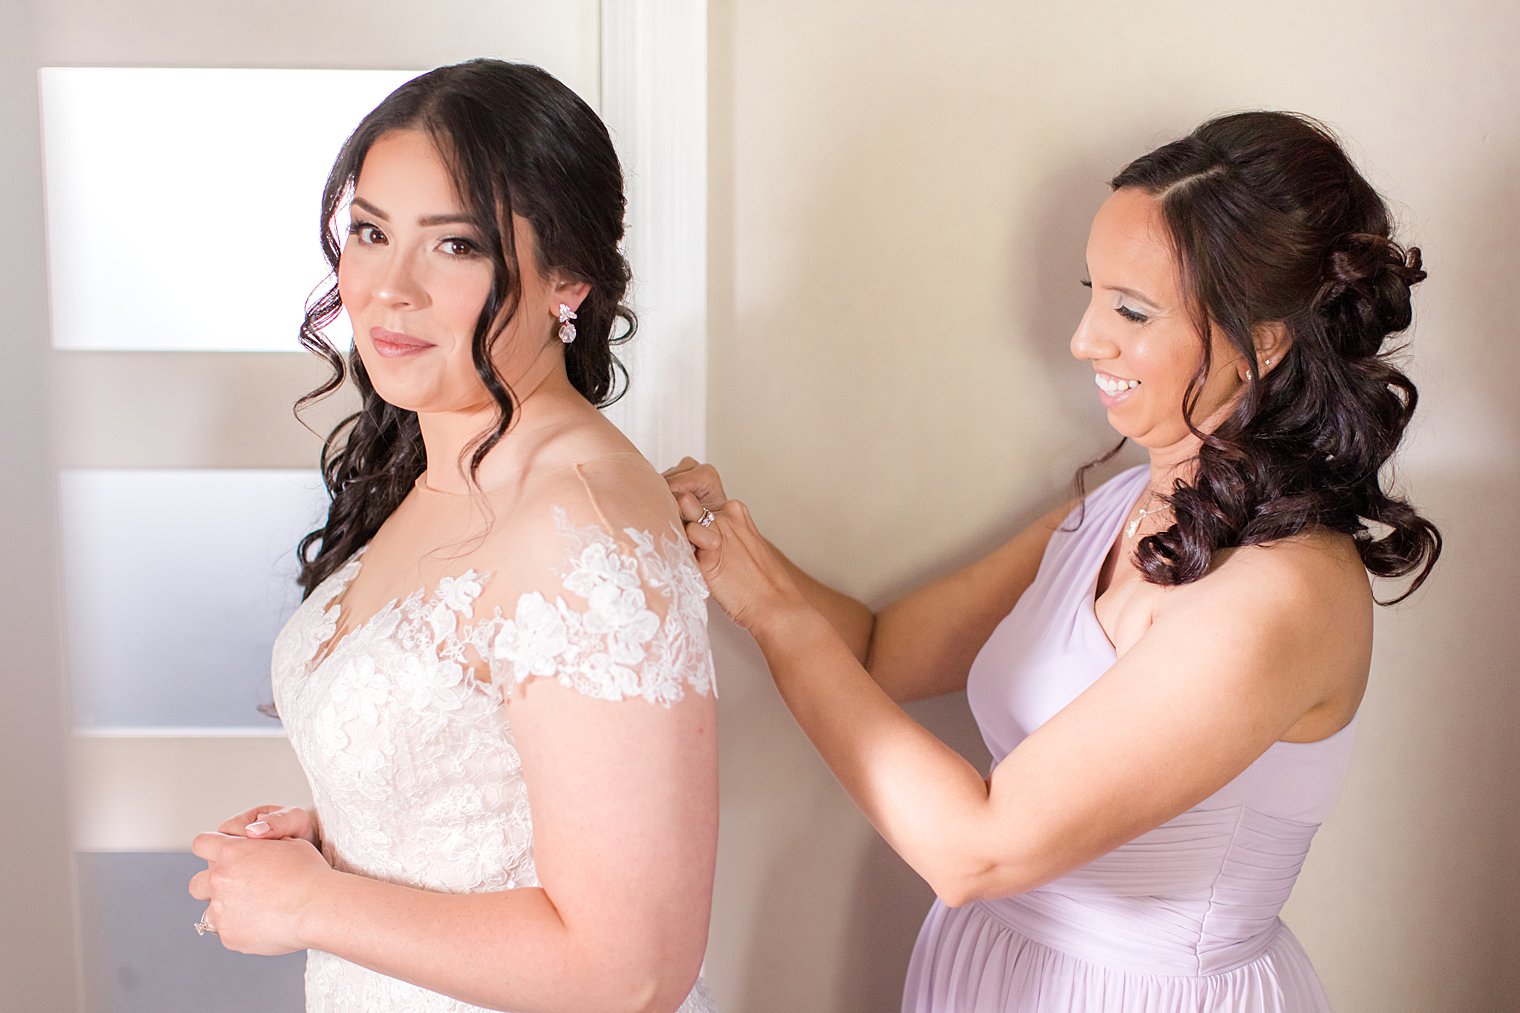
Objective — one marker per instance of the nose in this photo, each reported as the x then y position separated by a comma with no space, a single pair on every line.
398,284
1088,342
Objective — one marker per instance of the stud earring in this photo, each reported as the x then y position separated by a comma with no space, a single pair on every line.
566,328
1249,375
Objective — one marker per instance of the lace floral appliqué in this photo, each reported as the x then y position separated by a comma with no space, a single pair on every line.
614,647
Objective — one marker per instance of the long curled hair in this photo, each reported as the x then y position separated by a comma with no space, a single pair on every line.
518,143
1271,223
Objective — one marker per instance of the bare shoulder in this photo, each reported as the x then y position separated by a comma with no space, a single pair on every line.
1319,570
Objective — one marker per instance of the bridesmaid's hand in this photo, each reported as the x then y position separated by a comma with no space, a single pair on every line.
743,572
272,823
257,891
696,479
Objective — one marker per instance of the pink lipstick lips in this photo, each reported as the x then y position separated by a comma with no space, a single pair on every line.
395,344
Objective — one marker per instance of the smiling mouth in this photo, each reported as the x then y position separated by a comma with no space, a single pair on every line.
1114,385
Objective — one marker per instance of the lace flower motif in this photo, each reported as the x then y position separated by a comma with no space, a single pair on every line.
616,646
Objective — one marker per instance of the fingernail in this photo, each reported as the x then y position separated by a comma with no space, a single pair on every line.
257,827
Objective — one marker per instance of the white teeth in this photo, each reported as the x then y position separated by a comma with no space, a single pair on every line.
1113,385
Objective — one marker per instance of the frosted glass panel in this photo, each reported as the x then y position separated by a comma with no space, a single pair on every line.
141,954
182,204
175,584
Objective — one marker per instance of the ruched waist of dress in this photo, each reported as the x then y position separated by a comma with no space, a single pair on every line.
1142,935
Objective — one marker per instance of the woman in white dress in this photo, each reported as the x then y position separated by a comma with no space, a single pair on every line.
499,684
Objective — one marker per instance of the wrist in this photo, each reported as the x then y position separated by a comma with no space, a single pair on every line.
316,916
789,627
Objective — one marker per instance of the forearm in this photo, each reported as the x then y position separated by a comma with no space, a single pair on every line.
851,619
503,950
924,799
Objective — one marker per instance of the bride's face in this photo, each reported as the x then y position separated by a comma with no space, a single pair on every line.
1137,332
415,275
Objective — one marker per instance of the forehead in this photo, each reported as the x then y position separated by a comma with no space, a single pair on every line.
1129,245
403,169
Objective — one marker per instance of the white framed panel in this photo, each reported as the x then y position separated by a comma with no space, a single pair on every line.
183,204
175,585
654,102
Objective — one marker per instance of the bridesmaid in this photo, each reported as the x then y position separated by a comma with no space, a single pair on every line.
1166,670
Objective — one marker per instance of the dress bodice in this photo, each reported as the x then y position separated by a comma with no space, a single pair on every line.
1202,892
403,726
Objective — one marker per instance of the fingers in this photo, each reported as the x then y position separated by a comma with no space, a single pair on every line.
700,480
280,823
209,846
237,826
200,885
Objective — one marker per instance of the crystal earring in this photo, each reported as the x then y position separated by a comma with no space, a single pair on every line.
1249,375
566,328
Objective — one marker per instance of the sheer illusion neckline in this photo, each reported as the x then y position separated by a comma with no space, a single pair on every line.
617,456
442,590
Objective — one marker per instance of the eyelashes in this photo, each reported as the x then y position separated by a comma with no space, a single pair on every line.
1133,316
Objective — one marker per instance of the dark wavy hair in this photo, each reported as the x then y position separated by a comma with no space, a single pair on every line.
1271,223
517,142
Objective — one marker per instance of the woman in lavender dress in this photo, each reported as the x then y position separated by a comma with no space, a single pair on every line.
1167,670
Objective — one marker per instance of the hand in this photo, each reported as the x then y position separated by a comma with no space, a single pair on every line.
257,891
696,479
745,575
272,823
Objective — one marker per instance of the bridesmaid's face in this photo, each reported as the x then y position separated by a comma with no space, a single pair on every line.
414,277
1137,331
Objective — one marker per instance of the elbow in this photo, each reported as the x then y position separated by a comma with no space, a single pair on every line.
658,993
973,879
658,983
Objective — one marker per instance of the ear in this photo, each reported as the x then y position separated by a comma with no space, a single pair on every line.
570,291
1272,342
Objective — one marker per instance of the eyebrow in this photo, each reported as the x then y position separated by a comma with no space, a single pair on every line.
426,221
1126,291
1132,292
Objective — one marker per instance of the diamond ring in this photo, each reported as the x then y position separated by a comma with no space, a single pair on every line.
706,519
203,926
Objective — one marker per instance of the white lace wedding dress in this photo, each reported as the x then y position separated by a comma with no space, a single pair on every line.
407,745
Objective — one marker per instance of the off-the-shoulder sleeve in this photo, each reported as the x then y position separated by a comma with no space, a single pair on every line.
619,612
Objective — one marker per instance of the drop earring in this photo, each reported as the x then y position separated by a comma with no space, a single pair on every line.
566,328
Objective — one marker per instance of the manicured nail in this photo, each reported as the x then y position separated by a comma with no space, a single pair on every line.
257,828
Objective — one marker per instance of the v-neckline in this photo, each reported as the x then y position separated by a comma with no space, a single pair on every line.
1110,543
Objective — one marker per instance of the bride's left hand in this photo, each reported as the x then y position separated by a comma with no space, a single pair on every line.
257,890
742,571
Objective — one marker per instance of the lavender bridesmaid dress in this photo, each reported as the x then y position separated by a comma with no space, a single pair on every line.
1184,917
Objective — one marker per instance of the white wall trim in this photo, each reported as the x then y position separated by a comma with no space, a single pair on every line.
654,101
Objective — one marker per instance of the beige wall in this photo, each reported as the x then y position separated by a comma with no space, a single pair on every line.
900,198
37,969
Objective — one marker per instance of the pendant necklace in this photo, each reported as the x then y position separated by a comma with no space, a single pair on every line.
1134,525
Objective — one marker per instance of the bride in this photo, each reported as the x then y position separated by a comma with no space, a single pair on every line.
499,684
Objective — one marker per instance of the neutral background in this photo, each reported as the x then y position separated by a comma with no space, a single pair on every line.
900,194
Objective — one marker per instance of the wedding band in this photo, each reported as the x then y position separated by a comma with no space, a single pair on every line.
706,519
203,926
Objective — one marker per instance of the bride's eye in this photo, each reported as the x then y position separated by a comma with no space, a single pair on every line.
367,233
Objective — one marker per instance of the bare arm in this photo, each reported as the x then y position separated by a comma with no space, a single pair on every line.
922,644
1229,666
